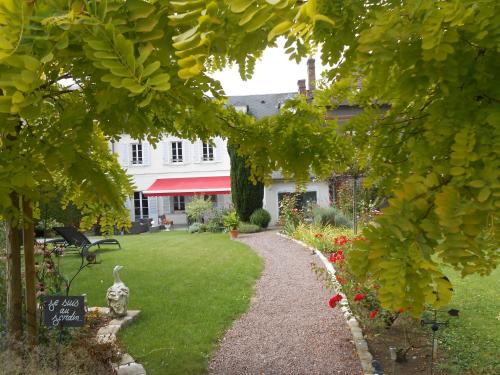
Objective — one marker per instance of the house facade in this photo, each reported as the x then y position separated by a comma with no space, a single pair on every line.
168,175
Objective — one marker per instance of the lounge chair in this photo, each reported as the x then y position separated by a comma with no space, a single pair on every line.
75,238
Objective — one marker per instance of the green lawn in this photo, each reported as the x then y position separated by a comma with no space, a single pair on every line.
189,288
472,342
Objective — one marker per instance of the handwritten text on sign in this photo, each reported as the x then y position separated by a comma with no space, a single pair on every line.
64,311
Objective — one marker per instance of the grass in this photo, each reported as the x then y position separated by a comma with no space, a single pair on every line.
471,343
189,290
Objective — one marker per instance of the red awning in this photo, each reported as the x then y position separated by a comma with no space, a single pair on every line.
190,186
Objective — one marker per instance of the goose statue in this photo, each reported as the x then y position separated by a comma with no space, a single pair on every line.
117,296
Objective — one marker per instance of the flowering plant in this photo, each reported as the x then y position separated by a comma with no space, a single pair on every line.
290,215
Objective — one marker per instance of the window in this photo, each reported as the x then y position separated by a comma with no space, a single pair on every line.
141,208
208,152
179,203
137,155
177,152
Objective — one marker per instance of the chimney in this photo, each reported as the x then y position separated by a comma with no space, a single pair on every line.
302,86
311,76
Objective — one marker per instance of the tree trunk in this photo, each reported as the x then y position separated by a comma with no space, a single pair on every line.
14,283
29,271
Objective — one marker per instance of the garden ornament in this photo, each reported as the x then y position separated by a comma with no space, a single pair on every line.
117,296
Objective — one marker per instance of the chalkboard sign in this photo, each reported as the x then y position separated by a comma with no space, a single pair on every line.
64,311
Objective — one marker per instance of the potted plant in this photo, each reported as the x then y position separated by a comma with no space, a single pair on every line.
232,222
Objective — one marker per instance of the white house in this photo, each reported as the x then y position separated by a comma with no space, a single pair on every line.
166,177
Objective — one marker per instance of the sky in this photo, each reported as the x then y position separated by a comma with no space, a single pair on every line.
274,73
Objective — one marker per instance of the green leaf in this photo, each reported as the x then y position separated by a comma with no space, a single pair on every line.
151,68
484,194
239,6
279,29
159,79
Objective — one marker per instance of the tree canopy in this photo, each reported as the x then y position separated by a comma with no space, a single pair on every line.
141,67
434,151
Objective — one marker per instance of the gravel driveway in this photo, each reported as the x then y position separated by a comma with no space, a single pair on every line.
289,328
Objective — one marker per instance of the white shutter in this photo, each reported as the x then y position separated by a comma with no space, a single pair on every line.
124,154
153,209
167,206
129,206
146,153
186,151
197,151
218,149
166,152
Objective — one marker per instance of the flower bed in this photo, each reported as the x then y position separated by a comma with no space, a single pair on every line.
335,243
382,328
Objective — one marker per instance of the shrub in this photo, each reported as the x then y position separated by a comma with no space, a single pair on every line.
215,223
194,228
330,216
197,208
260,217
248,228
44,227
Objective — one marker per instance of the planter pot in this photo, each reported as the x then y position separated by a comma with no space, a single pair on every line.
233,233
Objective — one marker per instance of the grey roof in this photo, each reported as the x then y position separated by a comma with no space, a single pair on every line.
261,105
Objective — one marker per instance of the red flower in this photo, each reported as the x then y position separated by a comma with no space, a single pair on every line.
332,258
359,297
373,314
337,297
401,310
340,279
341,240
333,301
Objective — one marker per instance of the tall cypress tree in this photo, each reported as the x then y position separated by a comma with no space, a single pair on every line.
246,196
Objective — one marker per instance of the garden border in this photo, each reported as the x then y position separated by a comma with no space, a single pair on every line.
364,354
107,334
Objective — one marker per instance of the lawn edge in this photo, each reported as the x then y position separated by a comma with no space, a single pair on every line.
360,343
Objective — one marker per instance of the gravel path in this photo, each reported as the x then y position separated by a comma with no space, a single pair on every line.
289,328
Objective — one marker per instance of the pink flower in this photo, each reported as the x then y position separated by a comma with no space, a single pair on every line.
359,297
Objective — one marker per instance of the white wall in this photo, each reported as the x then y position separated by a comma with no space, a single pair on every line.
271,195
157,164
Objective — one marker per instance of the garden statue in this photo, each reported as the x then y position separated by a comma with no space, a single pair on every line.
117,296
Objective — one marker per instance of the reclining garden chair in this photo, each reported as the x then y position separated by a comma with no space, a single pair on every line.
75,238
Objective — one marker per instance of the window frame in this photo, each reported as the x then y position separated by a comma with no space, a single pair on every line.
179,203
143,206
210,149
176,156
136,159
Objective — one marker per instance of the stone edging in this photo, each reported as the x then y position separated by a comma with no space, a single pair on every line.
107,334
364,354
